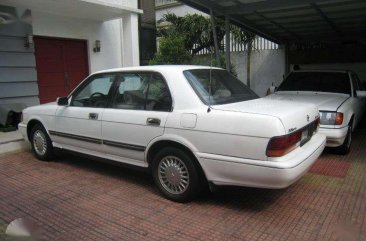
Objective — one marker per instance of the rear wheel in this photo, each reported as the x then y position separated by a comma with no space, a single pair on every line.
41,143
345,148
176,175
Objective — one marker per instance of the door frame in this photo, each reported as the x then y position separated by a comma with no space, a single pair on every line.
86,41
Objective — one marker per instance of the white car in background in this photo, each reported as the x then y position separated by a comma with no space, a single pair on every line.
339,95
190,125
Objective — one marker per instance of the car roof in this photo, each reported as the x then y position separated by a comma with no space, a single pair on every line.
156,68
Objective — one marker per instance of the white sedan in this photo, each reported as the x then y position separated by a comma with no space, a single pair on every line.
339,95
190,125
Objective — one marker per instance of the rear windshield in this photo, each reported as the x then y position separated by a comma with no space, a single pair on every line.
317,81
225,88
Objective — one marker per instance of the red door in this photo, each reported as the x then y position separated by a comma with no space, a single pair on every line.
61,65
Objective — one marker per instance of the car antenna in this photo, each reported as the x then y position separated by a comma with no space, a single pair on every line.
209,86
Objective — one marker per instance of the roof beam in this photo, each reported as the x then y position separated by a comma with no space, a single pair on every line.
326,19
277,24
265,5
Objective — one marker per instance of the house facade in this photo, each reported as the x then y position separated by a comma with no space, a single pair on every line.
48,47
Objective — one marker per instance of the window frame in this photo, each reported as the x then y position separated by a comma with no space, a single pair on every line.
115,89
79,88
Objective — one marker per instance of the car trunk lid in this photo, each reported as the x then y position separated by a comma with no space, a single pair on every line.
293,116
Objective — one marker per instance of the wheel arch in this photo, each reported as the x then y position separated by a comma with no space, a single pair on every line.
31,123
188,148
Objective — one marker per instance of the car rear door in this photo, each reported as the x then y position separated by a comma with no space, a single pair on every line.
140,106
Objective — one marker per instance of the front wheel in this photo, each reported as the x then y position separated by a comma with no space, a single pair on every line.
41,143
176,175
345,148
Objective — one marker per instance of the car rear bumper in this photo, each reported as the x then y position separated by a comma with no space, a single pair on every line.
275,173
335,137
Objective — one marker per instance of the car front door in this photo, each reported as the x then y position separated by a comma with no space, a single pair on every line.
78,125
140,106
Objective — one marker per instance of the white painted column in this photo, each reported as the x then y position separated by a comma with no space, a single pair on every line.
130,40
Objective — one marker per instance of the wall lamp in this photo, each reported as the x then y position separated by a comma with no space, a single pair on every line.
29,41
96,48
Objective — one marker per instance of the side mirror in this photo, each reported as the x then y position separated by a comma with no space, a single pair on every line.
62,101
361,93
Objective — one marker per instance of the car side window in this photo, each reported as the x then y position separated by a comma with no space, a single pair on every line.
142,91
158,97
95,92
131,89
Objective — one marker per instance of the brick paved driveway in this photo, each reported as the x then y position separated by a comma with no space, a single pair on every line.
75,198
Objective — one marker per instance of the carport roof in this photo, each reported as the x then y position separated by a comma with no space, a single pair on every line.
289,21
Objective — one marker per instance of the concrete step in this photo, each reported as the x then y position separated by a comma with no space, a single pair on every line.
12,141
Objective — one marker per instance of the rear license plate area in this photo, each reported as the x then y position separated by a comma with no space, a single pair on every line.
306,135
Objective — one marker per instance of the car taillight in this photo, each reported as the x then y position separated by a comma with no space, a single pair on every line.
339,118
281,145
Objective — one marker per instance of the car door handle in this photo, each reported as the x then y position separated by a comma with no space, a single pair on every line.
93,116
153,121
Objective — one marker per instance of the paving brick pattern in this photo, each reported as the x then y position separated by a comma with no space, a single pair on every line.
73,198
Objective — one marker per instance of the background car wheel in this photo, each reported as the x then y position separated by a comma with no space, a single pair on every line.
41,143
176,175
345,148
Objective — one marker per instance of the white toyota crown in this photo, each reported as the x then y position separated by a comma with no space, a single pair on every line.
190,125
339,95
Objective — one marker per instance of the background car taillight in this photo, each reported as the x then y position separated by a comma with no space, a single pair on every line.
339,118
281,145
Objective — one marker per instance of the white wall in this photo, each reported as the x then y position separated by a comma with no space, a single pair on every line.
267,67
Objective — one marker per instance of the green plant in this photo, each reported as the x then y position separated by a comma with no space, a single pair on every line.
194,28
171,51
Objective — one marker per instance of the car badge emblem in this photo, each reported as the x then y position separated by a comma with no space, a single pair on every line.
307,117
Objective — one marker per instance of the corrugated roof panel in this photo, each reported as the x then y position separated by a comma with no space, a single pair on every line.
300,20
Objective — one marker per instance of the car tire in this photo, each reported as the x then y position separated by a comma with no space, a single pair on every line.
176,175
345,148
41,143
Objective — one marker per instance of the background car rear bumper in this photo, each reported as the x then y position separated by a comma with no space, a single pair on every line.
335,137
277,173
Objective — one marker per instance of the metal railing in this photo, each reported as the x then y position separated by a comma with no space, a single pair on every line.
259,43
